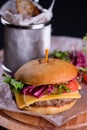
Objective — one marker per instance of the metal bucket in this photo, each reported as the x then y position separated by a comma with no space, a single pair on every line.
22,43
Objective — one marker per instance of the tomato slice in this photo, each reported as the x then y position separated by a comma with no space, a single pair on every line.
85,78
72,85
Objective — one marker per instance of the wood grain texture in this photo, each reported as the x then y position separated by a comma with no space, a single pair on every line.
14,121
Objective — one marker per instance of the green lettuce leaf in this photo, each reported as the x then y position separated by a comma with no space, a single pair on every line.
14,85
61,55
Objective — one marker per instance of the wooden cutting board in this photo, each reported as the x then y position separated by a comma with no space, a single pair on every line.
19,121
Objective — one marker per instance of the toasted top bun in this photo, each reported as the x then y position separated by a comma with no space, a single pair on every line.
39,72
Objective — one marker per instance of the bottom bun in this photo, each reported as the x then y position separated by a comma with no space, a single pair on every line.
51,110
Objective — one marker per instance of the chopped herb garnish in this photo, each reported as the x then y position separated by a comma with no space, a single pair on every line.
63,88
83,69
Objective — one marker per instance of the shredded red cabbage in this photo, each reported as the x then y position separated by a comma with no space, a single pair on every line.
37,91
78,58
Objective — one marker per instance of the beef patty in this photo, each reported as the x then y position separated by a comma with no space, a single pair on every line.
56,102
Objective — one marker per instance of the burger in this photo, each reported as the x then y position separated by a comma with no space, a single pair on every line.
46,87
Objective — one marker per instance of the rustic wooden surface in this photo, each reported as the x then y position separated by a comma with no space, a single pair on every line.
15,121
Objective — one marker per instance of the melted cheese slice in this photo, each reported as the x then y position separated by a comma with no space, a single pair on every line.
31,99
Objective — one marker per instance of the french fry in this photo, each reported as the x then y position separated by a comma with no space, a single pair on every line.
26,7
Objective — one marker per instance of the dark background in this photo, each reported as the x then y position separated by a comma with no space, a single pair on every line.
70,18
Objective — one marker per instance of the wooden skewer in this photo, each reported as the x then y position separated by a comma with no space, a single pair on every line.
46,55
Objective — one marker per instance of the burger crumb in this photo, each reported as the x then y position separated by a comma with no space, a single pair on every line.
39,61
